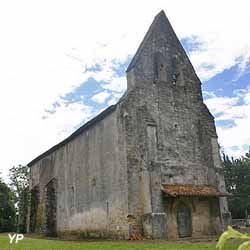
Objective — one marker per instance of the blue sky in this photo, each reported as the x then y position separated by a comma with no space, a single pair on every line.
64,62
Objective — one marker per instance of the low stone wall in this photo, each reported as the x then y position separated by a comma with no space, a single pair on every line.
239,223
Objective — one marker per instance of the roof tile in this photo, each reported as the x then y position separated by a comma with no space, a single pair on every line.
192,190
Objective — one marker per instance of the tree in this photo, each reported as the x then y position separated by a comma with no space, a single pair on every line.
7,208
237,179
20,186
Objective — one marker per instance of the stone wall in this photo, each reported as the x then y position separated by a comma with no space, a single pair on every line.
91,177
205,216
170,132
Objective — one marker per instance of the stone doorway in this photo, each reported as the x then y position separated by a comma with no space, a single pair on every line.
50,208
184,220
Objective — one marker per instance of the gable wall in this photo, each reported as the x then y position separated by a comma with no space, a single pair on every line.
174,140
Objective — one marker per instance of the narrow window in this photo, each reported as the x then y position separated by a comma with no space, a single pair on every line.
160,72
156,73
152,142
175,73
200,135
175,77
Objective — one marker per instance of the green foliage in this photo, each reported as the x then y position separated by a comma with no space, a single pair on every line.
19,178
39,216
233,234
244,246
7,208
20,186
237,179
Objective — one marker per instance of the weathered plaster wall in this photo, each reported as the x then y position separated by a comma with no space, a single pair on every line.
204,215
91,179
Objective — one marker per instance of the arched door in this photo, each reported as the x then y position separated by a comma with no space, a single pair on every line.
184,220
50,209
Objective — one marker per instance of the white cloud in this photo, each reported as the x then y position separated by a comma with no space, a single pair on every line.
117,84
46,46
66,117
244,94
234,112
25,135
233,139
115,98
101,97
247,98
235,152
220,104
208,94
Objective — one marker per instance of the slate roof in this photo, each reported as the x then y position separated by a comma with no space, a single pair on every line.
85,127
191,190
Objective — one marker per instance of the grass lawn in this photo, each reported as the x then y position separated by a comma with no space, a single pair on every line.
42,244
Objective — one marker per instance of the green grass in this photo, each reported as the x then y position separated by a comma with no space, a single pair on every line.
42,244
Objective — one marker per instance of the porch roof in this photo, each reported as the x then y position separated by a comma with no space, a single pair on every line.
192,190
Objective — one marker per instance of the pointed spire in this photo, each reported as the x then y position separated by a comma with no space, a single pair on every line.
160,27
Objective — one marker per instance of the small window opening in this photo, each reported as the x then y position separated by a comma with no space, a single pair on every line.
93,181
175,78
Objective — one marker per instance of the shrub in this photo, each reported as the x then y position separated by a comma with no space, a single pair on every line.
233,234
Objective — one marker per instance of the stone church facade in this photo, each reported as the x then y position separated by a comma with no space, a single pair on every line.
147,166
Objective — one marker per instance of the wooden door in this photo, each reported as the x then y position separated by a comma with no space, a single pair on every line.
184,221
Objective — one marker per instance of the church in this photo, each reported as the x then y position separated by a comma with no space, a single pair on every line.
148,166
